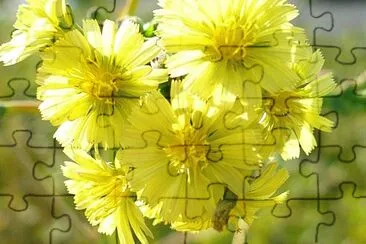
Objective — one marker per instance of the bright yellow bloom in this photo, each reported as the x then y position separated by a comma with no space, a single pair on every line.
229,43
185,153
258,193
39,23
291,116
102,189
90,83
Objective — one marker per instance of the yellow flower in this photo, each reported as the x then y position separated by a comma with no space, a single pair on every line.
185,153
230,43
90,83
258,193
291,116
102,189
39,23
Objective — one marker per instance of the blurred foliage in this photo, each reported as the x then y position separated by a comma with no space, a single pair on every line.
300,225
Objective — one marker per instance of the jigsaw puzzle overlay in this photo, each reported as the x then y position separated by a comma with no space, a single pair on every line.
327,188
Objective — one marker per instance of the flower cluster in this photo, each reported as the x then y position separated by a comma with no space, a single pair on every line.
244,90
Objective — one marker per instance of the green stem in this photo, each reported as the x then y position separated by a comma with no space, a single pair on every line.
129,9
20,104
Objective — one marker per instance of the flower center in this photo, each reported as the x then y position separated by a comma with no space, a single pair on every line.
229,43
190,154
279,106
101,82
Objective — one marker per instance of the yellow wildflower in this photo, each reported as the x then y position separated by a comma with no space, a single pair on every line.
89,83
230,43
184,154
39,23
291,116
102,189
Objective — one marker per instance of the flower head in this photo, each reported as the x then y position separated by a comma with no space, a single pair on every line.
89,83
39,23
229,43
185,153
291,116
102,189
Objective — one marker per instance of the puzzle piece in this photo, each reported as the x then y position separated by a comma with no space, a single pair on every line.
312,19
20,87
51,170
349,226
324,27
352,136
19,110
24,116
331,171
306,226
299,185
351,47
76,226
356,136
33,224
187,197
18,160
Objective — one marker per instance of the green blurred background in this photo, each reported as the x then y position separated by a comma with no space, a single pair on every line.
327,201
